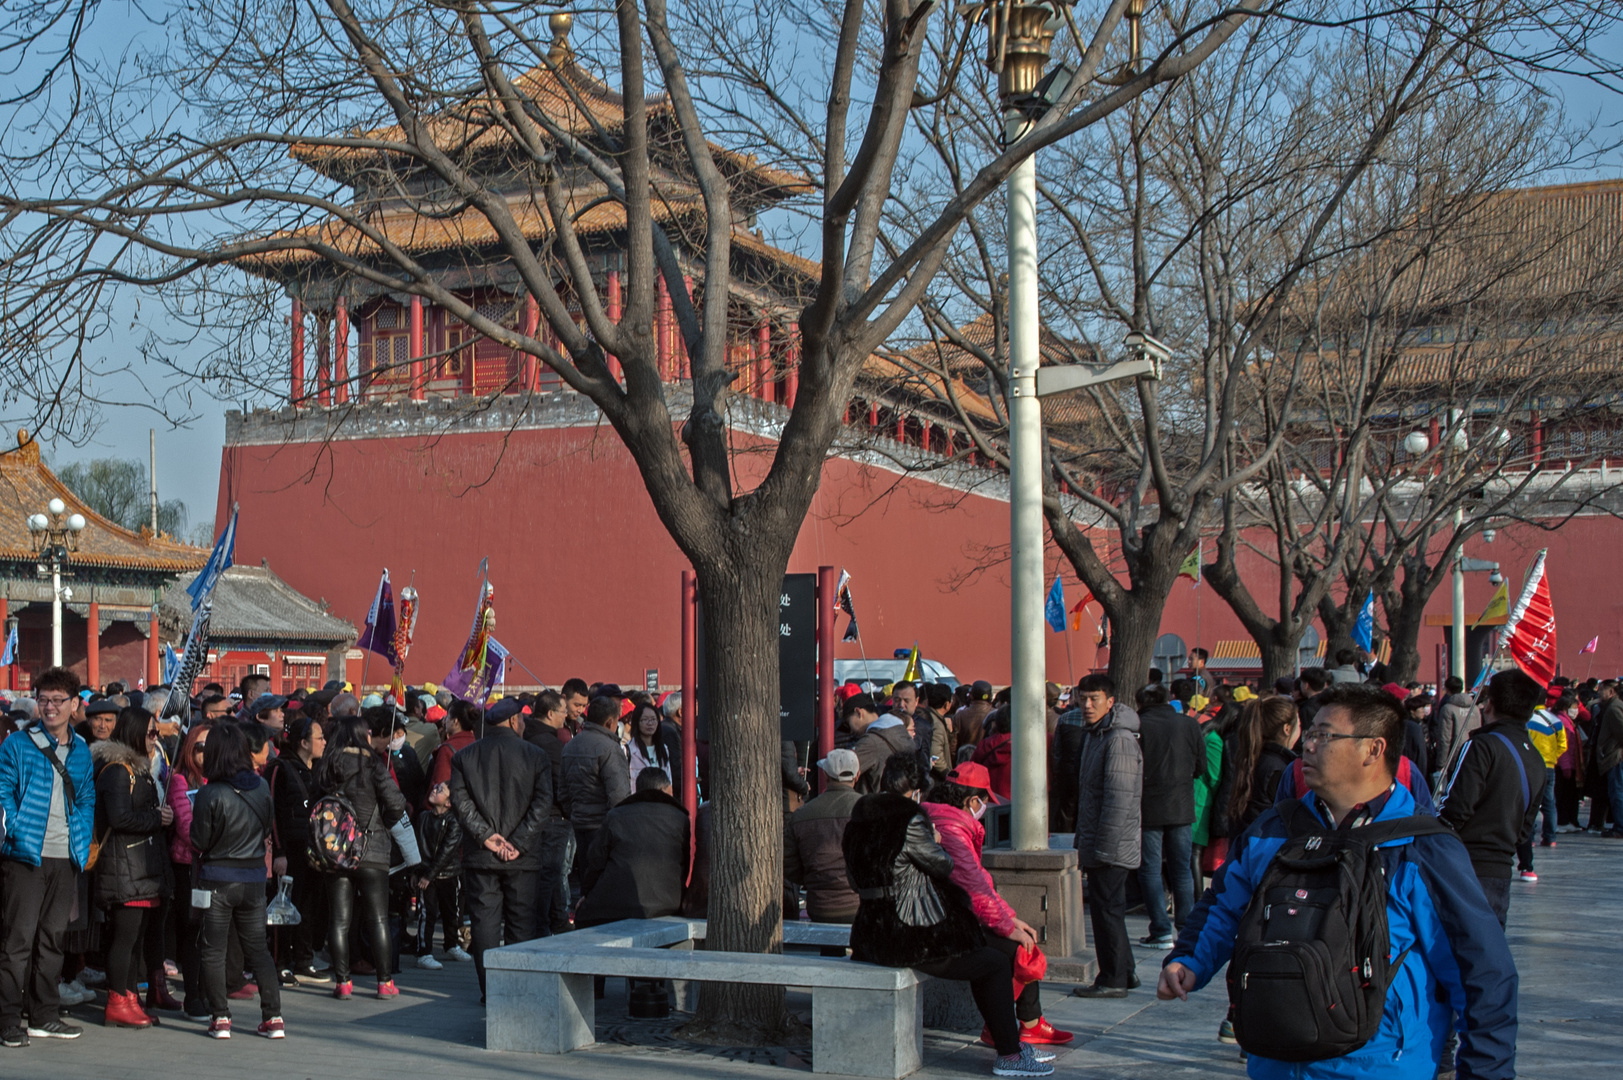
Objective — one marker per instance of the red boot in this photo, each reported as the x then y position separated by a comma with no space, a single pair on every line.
158,995
124,1010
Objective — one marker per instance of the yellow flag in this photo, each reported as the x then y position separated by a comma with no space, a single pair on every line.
911,672
1191,565
1499,605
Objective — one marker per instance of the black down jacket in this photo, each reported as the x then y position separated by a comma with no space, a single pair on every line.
134,859
362,778
638,863
909,913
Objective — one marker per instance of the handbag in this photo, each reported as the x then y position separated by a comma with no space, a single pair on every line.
1030,965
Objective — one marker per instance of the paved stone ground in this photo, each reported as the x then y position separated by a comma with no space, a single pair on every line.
1567,933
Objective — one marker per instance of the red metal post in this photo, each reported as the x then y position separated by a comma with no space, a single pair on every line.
614,317
418,384
340,350
826,586
93,646
10,670
532,320
662,332
791,368
296,389
690,710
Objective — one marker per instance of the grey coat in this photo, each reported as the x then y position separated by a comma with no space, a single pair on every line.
1456,718
597,776
874,749
1110,789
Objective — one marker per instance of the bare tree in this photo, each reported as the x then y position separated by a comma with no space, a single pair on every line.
117,489
430,102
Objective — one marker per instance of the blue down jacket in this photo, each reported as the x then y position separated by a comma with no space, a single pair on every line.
1457,962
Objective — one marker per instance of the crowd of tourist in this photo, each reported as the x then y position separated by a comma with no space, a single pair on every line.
141,852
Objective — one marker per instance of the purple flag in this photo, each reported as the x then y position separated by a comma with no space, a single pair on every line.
378,634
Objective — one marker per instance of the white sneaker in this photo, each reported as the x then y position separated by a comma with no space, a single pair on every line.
428,962
91,977
69,997
459,954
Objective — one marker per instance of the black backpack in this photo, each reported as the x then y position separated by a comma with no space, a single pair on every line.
1310,970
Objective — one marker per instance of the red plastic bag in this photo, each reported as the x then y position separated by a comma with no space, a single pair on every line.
1030,965
1215,855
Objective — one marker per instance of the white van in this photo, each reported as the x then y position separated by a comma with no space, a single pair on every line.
880,672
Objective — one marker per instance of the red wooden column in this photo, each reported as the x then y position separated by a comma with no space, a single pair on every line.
532,321
1536,428
924,434
690,693
323,361
681,338
662,333
296,383
901,428
340,350
415,343
827,585
93,646
614,317
154,653
873,414
763,360
791,364
7,674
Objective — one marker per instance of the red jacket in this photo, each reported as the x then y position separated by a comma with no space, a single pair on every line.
962,837
439,771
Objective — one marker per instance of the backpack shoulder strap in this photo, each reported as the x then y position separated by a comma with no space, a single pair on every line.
1299,820
1381,832
37,737
1521,767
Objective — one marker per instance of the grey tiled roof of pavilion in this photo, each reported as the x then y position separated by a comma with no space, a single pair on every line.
251,603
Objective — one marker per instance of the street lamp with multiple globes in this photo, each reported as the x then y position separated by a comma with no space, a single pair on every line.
55,536
1020,37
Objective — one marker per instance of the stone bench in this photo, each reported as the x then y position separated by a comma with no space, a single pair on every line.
866,1020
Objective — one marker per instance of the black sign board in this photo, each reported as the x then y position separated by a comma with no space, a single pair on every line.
797,660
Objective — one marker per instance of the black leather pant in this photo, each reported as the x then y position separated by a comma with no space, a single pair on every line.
372,883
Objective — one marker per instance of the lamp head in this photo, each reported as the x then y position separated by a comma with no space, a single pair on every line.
38,523
1416,443
57,506
76,522
1496,579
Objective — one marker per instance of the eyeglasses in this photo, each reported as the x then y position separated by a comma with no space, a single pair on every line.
54,702
1312,740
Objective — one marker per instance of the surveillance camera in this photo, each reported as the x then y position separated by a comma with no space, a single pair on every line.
1488,535
1496,579
67,593
1142,344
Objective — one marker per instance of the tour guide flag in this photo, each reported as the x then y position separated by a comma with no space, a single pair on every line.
1363,632
1054,609
1530,631
224,548
470,677
843,594
10,656
1191,565
378,634
1498,606
1594,643
1077,608
910,673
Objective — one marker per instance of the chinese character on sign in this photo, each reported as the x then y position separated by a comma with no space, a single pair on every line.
783,600
783,629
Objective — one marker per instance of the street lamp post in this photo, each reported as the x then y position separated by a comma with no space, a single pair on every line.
54,536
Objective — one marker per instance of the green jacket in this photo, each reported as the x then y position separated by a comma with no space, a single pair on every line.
1205,788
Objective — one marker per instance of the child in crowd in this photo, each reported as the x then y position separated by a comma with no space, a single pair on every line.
439,838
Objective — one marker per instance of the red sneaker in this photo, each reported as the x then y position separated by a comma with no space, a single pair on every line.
388,989
273,1028
1044,1032
220,1027
249,990
343,990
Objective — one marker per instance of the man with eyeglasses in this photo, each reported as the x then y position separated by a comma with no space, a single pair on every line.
1452,966
48,801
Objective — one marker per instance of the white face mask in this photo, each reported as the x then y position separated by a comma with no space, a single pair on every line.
979,812
397,742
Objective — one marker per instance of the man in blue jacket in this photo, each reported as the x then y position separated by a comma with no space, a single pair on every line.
48,800
1456,967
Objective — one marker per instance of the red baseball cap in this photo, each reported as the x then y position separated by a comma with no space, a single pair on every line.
972,774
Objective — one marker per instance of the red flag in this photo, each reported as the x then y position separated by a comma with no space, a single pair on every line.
1529,633
1594,643
1076,609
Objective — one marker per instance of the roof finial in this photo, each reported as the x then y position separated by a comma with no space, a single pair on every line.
560,22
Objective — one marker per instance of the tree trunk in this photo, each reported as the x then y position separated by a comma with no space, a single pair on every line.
1133,631
1338,623
1278,658
740,598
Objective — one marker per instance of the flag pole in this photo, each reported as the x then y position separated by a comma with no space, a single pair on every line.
1070,668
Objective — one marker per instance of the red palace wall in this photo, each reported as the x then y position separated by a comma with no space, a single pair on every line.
587,579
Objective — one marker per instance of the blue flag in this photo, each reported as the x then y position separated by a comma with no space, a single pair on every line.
1054,609
9,657
1363,634
171,664
224,548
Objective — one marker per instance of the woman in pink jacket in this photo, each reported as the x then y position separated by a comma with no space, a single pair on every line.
955,806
